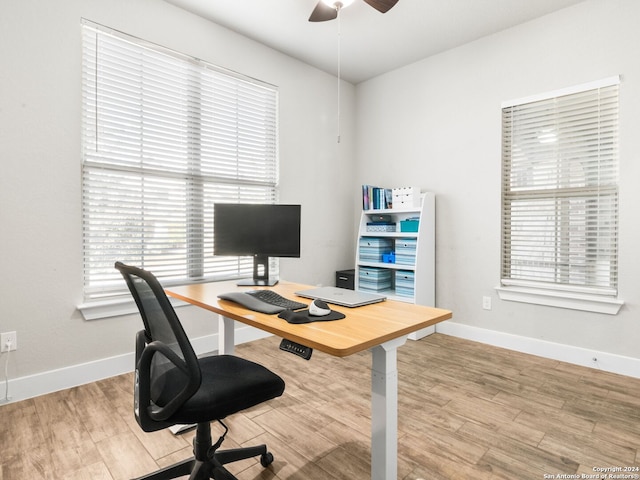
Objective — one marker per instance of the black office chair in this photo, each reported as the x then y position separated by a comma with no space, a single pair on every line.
173,386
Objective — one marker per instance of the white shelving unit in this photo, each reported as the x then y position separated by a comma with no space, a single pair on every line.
417,271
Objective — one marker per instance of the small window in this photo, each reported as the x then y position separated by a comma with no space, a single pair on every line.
560,191
164,137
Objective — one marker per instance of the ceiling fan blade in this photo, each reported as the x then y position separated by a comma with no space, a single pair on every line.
322,13
382,6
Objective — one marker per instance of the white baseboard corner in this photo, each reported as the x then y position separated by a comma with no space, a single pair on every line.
598,360
31,386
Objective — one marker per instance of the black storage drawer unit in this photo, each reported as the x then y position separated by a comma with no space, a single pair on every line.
346,279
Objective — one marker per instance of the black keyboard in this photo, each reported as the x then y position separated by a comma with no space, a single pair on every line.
263,301
273,298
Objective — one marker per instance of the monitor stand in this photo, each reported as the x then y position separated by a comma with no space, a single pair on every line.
260,274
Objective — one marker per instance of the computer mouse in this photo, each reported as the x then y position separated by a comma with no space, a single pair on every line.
319,308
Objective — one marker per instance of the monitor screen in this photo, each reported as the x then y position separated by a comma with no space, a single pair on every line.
258,230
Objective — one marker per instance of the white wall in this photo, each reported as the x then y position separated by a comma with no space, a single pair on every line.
40,177
436,124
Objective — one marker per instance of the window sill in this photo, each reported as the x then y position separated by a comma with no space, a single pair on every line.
573,301
95,310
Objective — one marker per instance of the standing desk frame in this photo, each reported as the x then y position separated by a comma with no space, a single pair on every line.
380,327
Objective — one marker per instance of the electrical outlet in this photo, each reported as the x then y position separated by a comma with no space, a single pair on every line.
486,303
6,338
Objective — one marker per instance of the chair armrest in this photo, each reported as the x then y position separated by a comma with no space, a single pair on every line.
150,416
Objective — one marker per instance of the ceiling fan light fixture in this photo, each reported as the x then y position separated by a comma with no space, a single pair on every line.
329,9
337,4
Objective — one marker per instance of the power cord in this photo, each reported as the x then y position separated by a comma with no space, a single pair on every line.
6,374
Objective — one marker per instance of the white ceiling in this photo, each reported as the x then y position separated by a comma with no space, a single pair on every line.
371,43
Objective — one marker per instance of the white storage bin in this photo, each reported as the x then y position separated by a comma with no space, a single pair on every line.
405,197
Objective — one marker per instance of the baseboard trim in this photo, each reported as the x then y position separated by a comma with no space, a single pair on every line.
52,381
608,362
55,380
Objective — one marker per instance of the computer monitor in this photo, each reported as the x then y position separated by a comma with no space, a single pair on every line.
257,230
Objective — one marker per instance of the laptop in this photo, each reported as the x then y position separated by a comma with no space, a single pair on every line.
342,296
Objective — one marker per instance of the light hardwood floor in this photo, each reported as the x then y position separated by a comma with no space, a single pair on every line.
466,411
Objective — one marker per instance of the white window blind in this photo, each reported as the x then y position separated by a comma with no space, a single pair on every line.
164,137
560,191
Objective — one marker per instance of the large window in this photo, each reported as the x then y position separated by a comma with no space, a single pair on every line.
164,137
560,191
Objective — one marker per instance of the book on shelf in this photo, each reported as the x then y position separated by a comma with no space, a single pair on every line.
376,198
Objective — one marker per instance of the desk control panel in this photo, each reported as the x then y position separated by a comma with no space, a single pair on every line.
296,348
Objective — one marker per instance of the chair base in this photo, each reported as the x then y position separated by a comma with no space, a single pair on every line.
180,469
208,462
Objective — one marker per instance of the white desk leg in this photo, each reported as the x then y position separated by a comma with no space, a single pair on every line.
226,335
384,410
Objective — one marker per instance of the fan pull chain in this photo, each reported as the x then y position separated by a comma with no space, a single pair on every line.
338,6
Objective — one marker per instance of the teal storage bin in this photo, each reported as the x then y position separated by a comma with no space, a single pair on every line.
409,225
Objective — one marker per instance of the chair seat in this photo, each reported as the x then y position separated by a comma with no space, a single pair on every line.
229,385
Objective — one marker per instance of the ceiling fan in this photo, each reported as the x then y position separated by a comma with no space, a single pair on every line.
328,9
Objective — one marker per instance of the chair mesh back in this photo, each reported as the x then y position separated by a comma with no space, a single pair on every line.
158,329
162,325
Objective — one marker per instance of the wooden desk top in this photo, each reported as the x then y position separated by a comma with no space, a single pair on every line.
363,328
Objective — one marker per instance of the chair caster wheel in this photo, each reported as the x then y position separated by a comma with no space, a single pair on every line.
266,459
